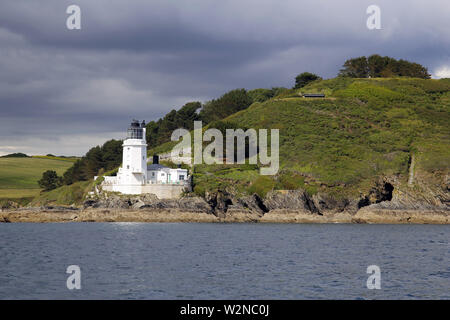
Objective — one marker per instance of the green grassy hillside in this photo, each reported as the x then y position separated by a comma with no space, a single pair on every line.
363,129
19,176
65,195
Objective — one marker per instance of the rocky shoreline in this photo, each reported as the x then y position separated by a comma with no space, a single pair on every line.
288,206
375,216
371,215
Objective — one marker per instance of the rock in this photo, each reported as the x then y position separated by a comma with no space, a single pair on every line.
59,208
10,205
89,203
290,199
5,220
423,196
138,204
186,204
147,202
326,204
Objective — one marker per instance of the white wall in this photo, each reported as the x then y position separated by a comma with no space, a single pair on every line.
167,176
162,191
134,162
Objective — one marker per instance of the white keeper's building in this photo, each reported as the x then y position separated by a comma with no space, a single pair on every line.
137,177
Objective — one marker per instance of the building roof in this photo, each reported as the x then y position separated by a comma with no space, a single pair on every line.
160,167
156,167
313,95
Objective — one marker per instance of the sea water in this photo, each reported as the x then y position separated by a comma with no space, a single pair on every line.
223,261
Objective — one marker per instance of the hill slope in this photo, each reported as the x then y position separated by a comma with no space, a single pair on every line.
360,145
364,134
19,176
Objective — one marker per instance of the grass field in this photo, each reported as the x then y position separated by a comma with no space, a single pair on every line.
19,176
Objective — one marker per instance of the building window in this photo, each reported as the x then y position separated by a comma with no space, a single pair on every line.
128,167
181,177
162,174
153,174
135,133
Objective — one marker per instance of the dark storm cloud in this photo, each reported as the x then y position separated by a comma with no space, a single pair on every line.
64,91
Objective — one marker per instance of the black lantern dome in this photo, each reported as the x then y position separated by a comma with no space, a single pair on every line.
136,130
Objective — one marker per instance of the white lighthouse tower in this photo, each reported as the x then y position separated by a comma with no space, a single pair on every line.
134,163
136,177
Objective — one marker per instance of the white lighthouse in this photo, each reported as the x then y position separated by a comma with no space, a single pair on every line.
136,177
134,163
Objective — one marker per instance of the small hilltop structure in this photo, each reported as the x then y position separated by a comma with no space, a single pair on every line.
313,95
137,177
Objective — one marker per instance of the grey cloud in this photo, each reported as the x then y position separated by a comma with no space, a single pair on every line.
143,58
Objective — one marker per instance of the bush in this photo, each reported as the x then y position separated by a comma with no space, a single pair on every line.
262,185
16,155
377,66
262,95
304,78
50,180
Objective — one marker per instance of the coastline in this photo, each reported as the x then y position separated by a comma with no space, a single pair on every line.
364,215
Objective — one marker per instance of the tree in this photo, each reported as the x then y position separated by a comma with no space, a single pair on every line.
94,161
152,133
304,78
50,180
355,68
385,67
376,65
111,154
231,102
106,157
15,155
186,116
160,131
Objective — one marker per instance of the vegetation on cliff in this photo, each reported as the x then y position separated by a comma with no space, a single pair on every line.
341,145
362,130
368,126
97,160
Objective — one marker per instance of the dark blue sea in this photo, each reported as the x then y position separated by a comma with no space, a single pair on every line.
223,261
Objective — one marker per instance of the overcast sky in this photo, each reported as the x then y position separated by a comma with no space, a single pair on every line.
64,91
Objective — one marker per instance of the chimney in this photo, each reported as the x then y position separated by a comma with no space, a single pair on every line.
155,159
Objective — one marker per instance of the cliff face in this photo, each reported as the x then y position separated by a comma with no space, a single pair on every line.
389,197
105,200
429,192
390,200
